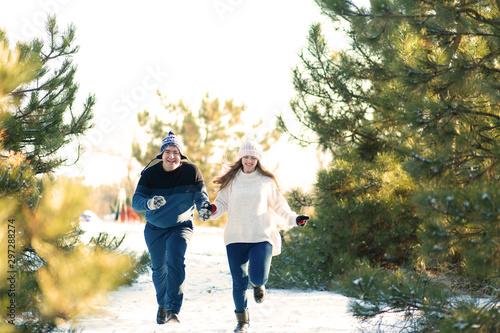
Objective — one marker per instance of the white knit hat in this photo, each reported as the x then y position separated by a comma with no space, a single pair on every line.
250,148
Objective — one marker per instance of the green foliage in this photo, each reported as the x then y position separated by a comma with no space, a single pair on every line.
57,276
17,177
103,241
358,213
422,300
304,264
363,209
298,199
470,316
47,275
142,264
410,113
468,235
299,251
139,264
38,91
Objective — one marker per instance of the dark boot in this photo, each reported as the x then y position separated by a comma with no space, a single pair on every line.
172,317
243,322
161,316
259,293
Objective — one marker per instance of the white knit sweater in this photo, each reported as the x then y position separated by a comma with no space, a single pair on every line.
255,209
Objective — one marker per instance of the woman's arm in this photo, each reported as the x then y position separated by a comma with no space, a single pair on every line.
279,205
220,204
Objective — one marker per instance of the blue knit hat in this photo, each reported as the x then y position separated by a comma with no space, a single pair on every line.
171,140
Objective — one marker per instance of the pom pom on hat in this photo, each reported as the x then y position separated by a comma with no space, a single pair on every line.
171,140
250,148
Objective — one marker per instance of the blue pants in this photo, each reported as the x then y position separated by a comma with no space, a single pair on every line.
167,247
245,258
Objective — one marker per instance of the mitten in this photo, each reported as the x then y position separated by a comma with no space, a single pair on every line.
206,211
156,202
302,220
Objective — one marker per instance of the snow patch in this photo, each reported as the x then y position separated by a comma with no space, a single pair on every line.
208,304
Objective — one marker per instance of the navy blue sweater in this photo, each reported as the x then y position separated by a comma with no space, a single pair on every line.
182,188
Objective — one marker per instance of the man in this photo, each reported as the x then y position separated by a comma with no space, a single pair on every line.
168,192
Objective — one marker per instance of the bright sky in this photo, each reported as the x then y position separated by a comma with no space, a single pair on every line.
232,49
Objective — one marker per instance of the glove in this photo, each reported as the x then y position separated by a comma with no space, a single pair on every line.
206,211
156,202
302,220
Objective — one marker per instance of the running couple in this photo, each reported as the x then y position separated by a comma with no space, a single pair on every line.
169,191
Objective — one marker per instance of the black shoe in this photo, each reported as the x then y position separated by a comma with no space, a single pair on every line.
259,293
161,316
172,317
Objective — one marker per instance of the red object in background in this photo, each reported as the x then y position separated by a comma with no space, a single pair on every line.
129,215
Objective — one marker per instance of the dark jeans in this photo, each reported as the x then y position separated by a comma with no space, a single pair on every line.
245,258
167,247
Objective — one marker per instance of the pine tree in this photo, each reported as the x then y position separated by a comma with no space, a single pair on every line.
37,111
419,82
47,275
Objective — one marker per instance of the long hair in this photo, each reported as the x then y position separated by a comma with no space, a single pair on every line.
226,179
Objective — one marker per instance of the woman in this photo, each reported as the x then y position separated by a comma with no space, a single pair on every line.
251,197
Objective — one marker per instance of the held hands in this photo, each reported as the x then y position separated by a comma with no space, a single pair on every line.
156,202
206,211
302,220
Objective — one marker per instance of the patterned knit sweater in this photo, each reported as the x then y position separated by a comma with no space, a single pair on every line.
182,188
255,209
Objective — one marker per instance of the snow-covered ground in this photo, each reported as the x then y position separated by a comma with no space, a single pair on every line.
208,304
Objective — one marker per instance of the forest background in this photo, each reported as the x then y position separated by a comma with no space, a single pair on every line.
405,217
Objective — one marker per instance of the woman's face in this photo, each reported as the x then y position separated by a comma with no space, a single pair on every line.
171,158
249,163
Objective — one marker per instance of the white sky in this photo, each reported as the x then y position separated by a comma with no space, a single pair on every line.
232,49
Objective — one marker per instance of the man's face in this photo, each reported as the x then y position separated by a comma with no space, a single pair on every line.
171,158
